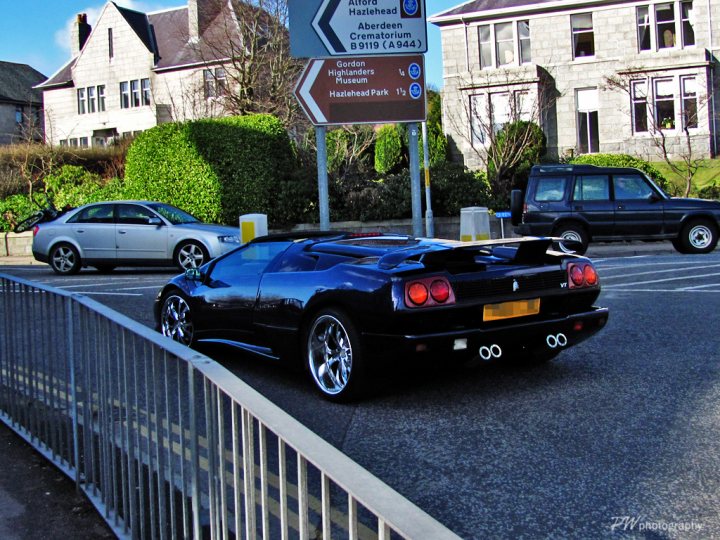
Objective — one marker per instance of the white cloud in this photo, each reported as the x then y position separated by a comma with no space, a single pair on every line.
62,36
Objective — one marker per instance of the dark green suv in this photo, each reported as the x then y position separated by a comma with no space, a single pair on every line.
584,203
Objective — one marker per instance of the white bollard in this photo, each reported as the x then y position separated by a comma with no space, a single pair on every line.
252,226
474,224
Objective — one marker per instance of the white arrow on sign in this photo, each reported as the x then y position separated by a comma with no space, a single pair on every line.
304,91
377,27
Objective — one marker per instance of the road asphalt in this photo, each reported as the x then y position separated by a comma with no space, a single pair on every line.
38,501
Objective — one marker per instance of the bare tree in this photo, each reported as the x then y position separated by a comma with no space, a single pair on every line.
674,147
246,47
499,119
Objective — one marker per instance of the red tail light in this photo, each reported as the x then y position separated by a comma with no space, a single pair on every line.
582,275
591,277
440,290
429,292
36,229
417,293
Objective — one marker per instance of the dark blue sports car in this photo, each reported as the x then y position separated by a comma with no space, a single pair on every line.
342,303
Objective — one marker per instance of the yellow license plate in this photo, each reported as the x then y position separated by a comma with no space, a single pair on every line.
509,310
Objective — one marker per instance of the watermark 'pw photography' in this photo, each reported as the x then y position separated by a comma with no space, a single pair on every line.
641,524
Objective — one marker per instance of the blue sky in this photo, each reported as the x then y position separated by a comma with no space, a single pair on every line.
35,32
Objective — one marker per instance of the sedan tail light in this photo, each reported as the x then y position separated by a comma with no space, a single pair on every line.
36,229
427,292
582,275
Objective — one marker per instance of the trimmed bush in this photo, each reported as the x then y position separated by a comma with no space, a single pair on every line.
216,169
388,149
454,187
622,160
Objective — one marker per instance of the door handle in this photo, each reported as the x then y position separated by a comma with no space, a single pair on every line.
578,207
122,232
79,231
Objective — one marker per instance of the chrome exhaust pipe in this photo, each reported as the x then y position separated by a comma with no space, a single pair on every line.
488,353
559,340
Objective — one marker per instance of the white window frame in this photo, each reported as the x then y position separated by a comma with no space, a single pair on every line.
492,44
145,91
650,22
124,95
81,101
101,97
574,33
91,102
689,92
680,85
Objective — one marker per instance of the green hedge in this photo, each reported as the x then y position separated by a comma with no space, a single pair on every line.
622,160
216,169
452,187
388,149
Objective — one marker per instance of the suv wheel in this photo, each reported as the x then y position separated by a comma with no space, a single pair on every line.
574,233
698,236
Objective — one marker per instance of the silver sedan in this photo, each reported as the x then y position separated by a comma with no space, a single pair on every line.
129,233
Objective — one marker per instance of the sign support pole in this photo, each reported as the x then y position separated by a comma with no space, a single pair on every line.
429,222
413,140
323,196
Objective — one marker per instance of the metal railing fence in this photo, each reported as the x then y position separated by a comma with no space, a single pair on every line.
169,444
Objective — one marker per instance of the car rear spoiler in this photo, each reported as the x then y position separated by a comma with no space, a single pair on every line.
527,250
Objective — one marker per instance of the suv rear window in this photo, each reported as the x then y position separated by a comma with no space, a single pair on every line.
550,189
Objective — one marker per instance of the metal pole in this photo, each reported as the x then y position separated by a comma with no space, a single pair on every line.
320,132
429,222
415,180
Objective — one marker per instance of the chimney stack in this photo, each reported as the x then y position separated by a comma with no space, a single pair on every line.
193,21
79,35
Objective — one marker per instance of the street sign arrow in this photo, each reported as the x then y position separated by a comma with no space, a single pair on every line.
372,27
363,90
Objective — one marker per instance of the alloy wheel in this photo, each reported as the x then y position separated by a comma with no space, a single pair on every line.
176,321
330,354
190,256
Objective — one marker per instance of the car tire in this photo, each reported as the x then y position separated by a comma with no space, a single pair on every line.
176,320
190,255
333,356
697,236
65,259
571,231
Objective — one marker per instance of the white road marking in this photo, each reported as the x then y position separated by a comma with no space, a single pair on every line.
653,272
660,281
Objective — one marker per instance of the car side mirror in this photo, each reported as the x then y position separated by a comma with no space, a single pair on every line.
193,274
654,197
155,221
516,206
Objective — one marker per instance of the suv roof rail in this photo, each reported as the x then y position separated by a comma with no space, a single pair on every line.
552,168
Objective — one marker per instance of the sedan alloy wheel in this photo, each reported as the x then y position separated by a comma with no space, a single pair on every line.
191,255
64,259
